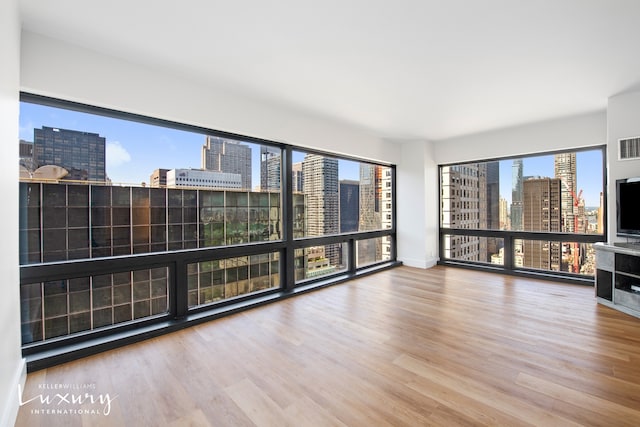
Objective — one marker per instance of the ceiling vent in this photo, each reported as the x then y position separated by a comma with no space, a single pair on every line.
629,148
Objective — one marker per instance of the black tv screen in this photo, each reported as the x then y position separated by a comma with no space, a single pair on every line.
627,207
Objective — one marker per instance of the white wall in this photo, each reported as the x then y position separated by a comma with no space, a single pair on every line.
623,121
54,68
417,224
564,133
11,363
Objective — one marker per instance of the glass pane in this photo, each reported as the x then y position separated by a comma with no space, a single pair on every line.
555,193
371,251
474,248
206,218
213,281
334,196
318,261
64,307
570,257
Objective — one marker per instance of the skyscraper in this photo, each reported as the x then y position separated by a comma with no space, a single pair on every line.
504,214
386,210
298,177
516,195
600,226
229,156
82,154
541,202
464,190
375,211
370,215
320,175
565,171
492,205
349,205
370,188
269,168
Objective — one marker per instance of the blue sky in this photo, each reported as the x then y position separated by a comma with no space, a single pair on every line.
135,150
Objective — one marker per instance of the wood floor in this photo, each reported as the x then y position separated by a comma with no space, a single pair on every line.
405,347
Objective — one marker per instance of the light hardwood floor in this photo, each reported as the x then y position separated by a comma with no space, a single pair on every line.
405,347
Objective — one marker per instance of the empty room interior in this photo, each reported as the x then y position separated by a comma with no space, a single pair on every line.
305,213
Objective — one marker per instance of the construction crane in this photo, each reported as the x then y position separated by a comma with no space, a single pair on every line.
576,203
575,251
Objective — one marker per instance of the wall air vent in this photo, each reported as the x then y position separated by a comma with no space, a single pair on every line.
629,148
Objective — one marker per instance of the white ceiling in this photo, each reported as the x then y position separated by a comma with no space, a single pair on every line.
429,69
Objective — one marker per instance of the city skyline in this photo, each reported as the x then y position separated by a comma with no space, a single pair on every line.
129,159
540,203
588,175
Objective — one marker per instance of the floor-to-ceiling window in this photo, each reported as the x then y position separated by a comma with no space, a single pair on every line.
539,213
129,221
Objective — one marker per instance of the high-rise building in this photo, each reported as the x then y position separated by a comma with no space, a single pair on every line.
375,211
541,203
370,189
298,177
464,190
601,214
349,205
504,214
82,154
370,215
386,210
492,206
565,171
270,168
320,175
229,156
516,195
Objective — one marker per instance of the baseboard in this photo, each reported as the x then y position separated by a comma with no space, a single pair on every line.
420,263
12,405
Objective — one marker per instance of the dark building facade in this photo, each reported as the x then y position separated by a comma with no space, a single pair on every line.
82,154
349,205
71,221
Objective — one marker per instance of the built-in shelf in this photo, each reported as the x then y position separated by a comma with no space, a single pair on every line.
618,277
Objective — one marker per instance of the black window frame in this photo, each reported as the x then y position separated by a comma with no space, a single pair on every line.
510,236
53,351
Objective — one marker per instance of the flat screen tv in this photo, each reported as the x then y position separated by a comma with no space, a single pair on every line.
628,207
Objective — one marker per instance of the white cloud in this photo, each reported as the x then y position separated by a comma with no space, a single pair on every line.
116,154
